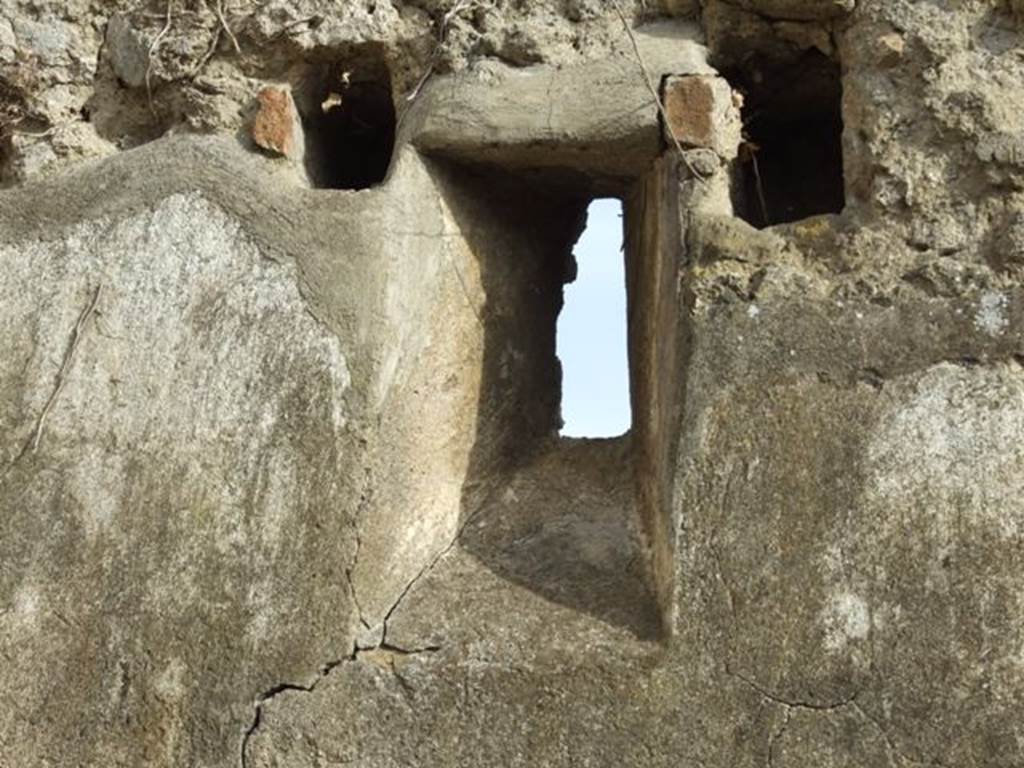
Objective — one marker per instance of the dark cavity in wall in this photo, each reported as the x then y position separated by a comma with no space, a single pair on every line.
6,158
791,163
348,116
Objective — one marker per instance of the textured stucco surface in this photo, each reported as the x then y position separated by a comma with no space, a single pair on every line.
279,480
171,518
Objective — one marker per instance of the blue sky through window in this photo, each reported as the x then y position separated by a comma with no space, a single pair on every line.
591,341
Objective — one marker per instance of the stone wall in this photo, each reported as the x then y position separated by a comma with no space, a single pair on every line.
280,479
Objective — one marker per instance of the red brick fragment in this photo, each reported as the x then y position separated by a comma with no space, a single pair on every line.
276,121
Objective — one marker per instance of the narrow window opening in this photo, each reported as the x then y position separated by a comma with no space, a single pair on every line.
591,334
791,163
348,116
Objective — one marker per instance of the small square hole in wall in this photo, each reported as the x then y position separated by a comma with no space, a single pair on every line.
791,162
348,117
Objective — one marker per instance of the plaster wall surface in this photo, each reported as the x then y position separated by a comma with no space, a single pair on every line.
280,481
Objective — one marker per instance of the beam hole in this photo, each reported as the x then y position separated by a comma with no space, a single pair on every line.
348,117
791,162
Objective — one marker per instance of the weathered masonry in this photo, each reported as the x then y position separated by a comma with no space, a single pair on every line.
280,480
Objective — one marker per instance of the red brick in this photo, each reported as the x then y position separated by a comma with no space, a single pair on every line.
276,121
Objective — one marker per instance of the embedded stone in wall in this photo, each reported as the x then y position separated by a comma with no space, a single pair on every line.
128,51
595,118
703,112
890,49
799,9
277,128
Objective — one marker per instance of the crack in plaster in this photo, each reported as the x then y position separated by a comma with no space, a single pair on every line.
357,653
897,757
276,690
793,703
383,646
355,657
427,569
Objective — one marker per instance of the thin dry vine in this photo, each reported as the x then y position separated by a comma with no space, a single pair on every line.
654,92
69,358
